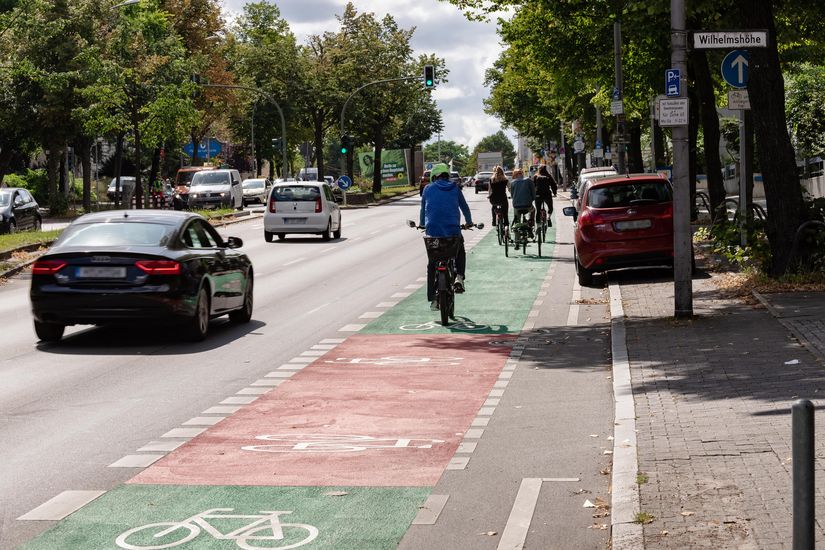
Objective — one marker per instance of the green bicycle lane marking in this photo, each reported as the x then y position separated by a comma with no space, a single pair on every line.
500,293
344,518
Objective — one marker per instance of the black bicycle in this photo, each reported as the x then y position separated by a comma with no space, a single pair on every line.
443,250
502,229
521,231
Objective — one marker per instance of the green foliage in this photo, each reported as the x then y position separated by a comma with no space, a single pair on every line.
35,181
805,108
23,238
725,241
494,143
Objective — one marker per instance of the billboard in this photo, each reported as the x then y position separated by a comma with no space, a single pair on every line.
394,167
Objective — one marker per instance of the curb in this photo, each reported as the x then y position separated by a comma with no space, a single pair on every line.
807,344
626,533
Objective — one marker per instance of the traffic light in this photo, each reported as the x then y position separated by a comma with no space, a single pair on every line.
276,143
346,144
429,76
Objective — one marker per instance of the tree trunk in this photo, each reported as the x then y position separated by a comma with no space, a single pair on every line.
710,131
319,148
377,165
55,154
766,89
693,138
118,170
659,142
154,170
195,142
634,156
6,156
411,173
138,182
85,146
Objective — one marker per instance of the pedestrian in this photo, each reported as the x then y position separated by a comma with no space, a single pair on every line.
497,194
546,189
523,192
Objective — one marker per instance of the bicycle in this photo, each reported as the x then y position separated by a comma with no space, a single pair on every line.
443,250
521,231
502,229
265,523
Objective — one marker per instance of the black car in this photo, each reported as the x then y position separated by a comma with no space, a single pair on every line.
147,266
18,210
481,181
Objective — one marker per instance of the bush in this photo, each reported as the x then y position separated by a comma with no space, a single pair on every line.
35,181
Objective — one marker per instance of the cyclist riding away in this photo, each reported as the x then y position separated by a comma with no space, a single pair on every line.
545,191
441,205
497,194
523,192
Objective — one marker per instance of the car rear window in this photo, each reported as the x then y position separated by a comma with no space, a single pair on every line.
253,184
296,193
116,234
628,194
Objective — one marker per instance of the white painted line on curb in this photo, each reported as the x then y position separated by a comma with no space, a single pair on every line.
458,463
492,402
573,312
333,341
324,346
351,328
302,360
203,421
501,383
515,530
238,400
313,353
505,375
401,295
466,447
271,382
474,433
186,433
386,304
253,391
486,411
429,511
226,409
497,392
371,315
160,446
421,280
412,287
136,461
480,422
61,506
286,367
280,374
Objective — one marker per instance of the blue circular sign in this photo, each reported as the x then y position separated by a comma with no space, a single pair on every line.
344,182
735,68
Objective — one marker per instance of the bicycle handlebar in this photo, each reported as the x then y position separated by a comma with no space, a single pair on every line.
465,227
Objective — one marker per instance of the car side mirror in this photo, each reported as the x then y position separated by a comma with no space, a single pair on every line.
570,211
234,242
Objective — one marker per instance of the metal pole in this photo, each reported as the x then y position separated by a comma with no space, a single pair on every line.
743,182
682,250
620,119
653,135
563,158
804,521
254,156
599,161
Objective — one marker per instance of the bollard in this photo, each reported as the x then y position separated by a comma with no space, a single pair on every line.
803,475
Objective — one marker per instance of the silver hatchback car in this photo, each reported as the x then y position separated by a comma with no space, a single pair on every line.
302,207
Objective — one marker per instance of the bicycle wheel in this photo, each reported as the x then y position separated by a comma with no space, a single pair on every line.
164,528
452,306
499,232
507,244
538,244
295,535
444,299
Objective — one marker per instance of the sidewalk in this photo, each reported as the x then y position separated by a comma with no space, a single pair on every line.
713,397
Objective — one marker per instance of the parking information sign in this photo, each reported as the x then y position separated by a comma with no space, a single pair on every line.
673,112
344,182
673,83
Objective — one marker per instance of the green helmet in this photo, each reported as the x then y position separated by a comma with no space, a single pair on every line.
439,169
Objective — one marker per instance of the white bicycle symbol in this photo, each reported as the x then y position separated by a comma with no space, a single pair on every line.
459,325
266,528
325,443
397,361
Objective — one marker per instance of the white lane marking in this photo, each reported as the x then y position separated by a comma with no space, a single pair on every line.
498,392
327,249
529,325
136,461
61,506
288,367
371,315
466,447
486,411
387,304
351,328
313,353
429,511
184,432
515,530
421,280
401,295
501,384
458,463
253,391
227,409
203,421
238,400
279,374
473,433
538,303
160,446
302,360
323,346
412,287
332,341
543,293
480,422
492,402
295,261
266,382
317,309
373,233
573,313
505,375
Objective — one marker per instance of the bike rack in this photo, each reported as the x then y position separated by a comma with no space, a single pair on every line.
802,227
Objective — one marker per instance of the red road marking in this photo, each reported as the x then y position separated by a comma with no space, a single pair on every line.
426,403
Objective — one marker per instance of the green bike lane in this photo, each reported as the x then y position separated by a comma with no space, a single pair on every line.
342,453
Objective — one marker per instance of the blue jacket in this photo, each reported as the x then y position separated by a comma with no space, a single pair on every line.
523,192
440,205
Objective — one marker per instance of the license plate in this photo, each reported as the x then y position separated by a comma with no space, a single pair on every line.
632,224
294,221
101,272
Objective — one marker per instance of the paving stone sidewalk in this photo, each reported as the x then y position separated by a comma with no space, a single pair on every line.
713,397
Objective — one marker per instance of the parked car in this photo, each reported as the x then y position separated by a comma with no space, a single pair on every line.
216,189
183,179
145,266
330,181
127,188
481,181
589,174
18,210
455,178
422,183
256,190
302,207
623,221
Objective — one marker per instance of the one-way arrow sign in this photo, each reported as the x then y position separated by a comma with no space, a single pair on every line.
735,68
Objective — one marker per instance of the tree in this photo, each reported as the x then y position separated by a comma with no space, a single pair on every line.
497,142
447,151
805,108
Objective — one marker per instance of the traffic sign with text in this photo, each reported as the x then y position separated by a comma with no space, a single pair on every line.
673,112
722,40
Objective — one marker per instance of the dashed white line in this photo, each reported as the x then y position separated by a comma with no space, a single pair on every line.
226,409
185,433
474,433
253,391
401,295
61,506
480,422
466,447
429,511
160,446
203,421
136,461
280,374
238,400
458,463
313,353
387,304
323,346
371,315
351,328
271,382
333,341
486,411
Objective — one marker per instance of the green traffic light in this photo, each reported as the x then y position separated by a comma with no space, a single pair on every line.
429,83
343,150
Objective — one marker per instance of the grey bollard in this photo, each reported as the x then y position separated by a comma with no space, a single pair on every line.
803,475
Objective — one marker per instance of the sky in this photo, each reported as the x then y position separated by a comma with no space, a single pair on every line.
469,49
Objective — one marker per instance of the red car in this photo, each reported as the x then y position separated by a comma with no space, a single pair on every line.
625,221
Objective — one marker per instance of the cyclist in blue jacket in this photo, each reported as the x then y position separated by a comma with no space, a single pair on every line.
442,204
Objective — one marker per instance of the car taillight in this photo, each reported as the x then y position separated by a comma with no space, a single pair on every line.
667,213
318,205
272,205
159,267
589,218
47,267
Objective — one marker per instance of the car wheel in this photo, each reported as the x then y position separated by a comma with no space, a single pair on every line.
281,236
476,190
198,325
38,223
585,275
268,236
327,234
49,332
12,226
240,206
337,233
244,315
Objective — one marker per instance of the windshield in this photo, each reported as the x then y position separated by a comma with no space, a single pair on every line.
628,194
253,184
124,181
296,193
116,234
210,178
5,198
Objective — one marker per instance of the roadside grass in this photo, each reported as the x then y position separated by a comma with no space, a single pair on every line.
394,191
23,238
214,213
643,518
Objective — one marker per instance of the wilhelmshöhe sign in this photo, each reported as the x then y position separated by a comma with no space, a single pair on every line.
709,40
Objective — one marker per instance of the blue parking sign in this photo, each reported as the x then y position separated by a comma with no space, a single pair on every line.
673,83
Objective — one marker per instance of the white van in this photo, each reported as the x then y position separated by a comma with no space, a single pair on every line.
215,189
308,174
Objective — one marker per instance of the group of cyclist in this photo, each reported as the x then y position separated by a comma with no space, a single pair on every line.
442,203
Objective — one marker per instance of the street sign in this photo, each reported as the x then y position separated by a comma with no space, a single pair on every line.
344,182
738,100
722,40
598,153
598,144
616,107
209,149
428,166
673,112
735,68
615,94
673,83
578,146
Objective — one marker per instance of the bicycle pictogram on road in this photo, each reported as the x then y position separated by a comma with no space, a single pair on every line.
397,361
457,326
266,529
326,443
